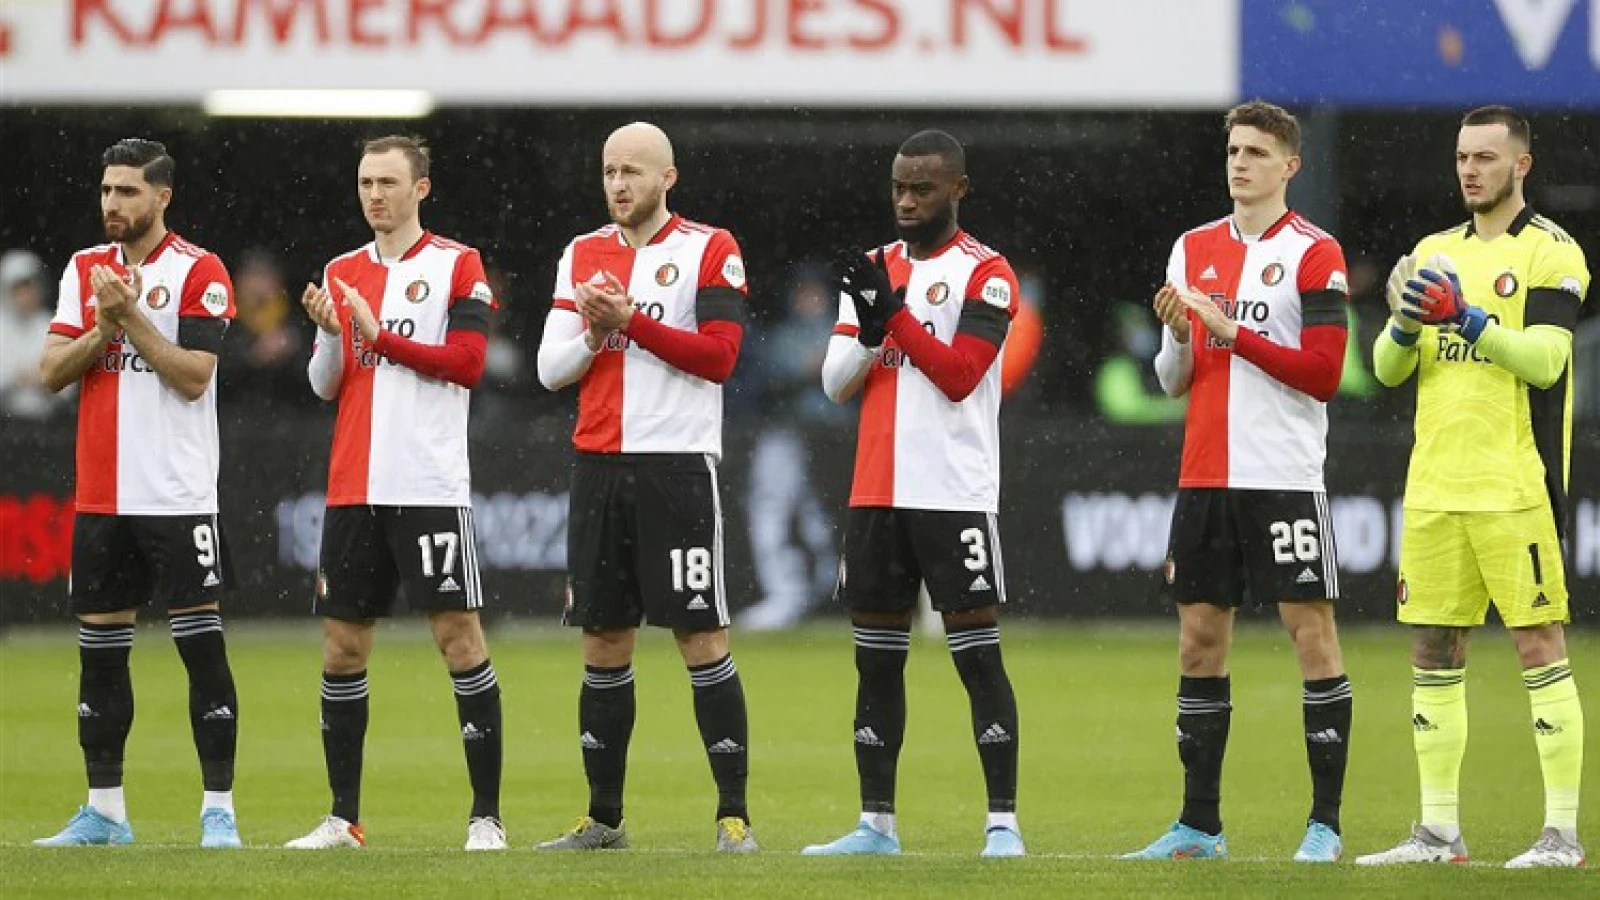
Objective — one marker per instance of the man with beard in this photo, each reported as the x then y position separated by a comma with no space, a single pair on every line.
921,325
399,484
139,320
647,319
1254,333
1483,313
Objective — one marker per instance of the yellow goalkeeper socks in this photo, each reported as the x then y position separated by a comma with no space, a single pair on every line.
1558,732
1439,723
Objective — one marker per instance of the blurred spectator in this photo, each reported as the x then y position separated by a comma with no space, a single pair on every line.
1125,386
791,533
24,320
263,354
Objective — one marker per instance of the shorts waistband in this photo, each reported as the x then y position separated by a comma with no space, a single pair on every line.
694,461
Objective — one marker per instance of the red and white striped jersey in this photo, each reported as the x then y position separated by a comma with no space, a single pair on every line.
916,449
629,401
1245,429
143,448
401,437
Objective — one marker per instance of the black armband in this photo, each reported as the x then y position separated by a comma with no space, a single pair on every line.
1551,306
722,304
470,314
984,320
1323,308
201,333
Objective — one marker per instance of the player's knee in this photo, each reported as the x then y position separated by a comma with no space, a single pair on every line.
1540,645
702,647
460,640
344,646
608,649
1202,652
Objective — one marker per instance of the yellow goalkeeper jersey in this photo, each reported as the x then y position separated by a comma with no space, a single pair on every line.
1487,441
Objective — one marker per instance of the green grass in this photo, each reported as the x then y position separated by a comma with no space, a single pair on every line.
1099,773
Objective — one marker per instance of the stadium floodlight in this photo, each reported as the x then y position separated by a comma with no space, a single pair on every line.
323,104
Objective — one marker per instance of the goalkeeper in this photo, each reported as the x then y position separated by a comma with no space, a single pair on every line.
1483,314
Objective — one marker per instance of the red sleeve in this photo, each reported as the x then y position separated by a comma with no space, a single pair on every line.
470,282
1313,369
721,265
459,360
708,353
955,368
208,291
994,283
1322,268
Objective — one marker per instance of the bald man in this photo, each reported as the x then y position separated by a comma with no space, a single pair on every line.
647,318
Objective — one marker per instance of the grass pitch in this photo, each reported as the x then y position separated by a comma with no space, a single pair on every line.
1099,773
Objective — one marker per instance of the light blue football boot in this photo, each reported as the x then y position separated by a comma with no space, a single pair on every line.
1183,842
999,842
88,827
218,829
1320,845
863,841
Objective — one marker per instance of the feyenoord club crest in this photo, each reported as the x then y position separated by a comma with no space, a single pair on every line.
667,275
1169,570
1272,274
1402,592
417,291
938,292
158,298
1506,284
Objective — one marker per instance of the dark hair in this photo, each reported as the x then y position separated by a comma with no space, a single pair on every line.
414,148
150,157
1269,117
937,143
1514,122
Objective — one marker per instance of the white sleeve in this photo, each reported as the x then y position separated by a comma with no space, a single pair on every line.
326,369
1175,364
564,354
1177,266
69,303
844,366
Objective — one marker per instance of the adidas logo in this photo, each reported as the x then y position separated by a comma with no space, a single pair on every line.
1306,576
1325,736
866,737
1210,272
322,724
1541,600
980,584
219,714
698,602
470,732
589,742
1183,736
1419,722
726,745
448,584
211,580
1545,729
994,734
86,712
870,295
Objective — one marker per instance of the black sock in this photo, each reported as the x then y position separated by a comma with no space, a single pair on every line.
976,652
1204,713
478,709
105,700
725,731
1327,704
344,733
605,720
880,726
213,703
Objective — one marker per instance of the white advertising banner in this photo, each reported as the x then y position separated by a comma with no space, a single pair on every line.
1077,53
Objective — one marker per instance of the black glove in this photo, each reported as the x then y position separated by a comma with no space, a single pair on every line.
866,280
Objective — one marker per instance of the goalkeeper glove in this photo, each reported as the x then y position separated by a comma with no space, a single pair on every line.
1405,317
866,281
1437,291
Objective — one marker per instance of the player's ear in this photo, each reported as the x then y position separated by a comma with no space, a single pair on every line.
163,197
424,187
669,178
1523,165
1292,168
963,184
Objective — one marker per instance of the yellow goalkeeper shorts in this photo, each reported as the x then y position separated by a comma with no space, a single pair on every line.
1454,564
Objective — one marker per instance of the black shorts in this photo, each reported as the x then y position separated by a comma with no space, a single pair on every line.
889,553
1278,545
121,562
644,543
370,552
